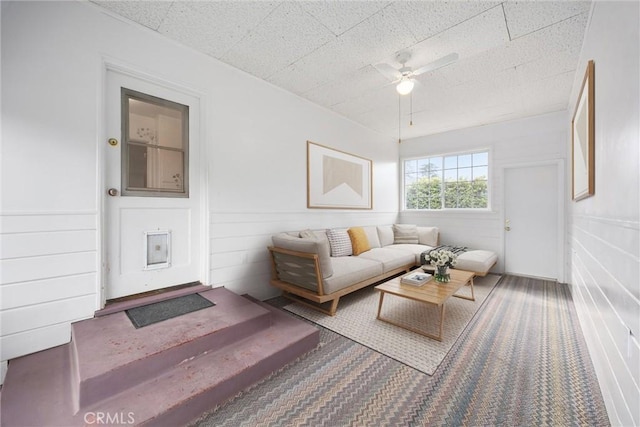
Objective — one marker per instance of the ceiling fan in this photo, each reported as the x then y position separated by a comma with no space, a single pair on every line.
404,75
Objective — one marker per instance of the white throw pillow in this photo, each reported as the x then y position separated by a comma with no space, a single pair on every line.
385,233
339,242
428,236
372,236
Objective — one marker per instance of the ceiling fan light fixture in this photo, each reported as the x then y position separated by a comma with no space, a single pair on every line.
405,86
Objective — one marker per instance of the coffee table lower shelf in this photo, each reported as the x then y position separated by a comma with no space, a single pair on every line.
431,293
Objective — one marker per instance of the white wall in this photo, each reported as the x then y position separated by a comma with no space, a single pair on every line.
258,180
519,142
53,57
604,230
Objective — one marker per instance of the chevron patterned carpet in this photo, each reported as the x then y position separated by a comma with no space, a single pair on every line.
521,362
356,320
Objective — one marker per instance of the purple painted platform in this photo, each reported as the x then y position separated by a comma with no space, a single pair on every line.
168,373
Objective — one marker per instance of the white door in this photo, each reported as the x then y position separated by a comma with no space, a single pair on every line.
152,194
531,221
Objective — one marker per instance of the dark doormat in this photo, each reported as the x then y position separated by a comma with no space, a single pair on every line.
163,310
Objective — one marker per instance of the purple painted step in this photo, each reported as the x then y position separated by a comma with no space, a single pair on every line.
111,355
179,394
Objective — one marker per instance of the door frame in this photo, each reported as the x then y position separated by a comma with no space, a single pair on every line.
107,65
560,220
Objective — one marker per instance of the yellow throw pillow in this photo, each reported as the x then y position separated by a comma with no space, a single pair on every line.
359,240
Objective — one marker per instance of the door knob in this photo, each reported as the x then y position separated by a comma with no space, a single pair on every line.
112,192
507,228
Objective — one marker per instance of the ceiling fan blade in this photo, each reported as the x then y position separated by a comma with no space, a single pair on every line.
445,60
388,71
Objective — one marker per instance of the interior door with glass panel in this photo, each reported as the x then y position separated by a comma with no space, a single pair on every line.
152,205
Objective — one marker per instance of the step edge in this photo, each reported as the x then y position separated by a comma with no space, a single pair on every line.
93,390
205,400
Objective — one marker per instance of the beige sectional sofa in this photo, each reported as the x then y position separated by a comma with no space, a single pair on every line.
317,267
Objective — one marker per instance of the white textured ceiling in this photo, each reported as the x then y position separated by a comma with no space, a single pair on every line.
516,58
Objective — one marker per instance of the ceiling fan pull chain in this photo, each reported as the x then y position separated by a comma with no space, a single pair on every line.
411,109
399,119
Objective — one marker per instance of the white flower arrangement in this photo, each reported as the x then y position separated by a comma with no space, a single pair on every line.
443,257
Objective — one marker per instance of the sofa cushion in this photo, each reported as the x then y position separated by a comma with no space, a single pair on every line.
359,241
385,234
313,245
339,242
415,249
307,234
428,236
477,260
390,257
350,270
372,236
405,233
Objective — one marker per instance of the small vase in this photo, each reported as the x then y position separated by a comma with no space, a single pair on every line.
442,274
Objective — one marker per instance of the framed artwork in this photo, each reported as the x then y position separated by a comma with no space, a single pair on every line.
337,180
583,139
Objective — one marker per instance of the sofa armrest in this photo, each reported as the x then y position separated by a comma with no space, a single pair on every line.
301,269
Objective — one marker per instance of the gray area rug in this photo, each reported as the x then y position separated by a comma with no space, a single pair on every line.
356,320
163,310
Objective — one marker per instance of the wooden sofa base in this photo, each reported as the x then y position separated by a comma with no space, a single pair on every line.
484,273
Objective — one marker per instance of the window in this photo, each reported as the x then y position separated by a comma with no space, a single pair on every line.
155,151
456,181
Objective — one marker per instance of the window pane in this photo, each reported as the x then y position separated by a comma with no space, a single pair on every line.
464,174
411,201
450,175
480,172
464,160
480,194
155,146
451,162
410,178
435,166
410,166
480,159
435,198
423,167
137,166
450,194
465,195
416,196
155,169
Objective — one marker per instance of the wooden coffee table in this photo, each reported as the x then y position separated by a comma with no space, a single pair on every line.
431,293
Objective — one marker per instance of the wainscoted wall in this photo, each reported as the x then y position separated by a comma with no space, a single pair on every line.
240,260
49,278
604,230
523,142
